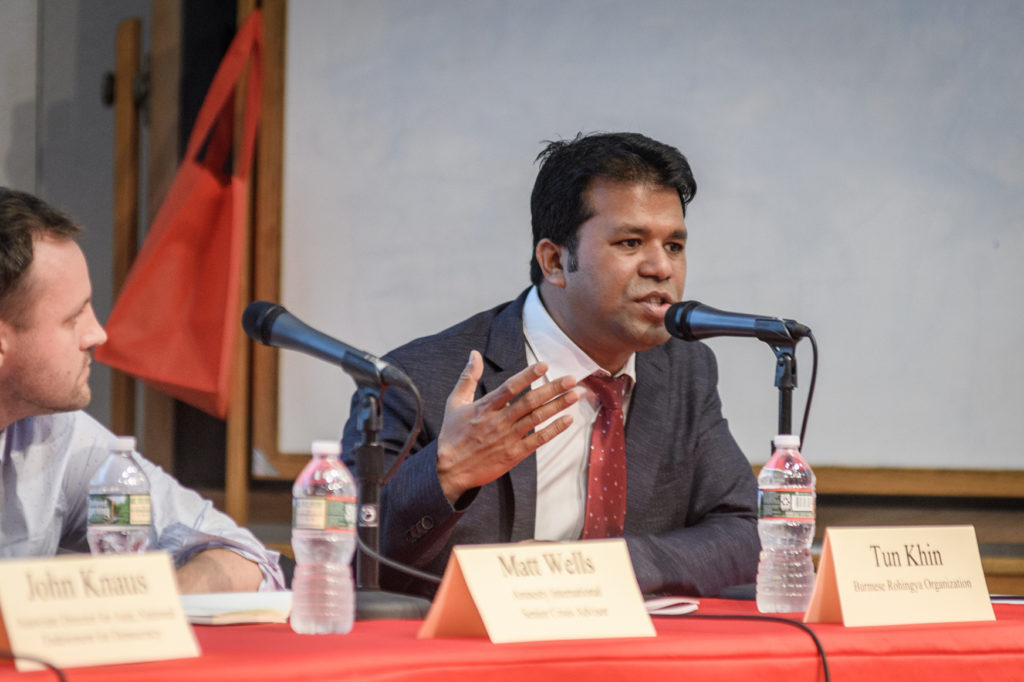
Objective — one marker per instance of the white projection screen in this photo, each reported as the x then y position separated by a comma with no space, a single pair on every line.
860,168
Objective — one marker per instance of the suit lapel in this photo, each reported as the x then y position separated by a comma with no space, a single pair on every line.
504,356
506,347
645,433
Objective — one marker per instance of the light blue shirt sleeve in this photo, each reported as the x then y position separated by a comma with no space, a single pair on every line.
41,518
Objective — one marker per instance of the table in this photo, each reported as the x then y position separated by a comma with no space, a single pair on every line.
684,649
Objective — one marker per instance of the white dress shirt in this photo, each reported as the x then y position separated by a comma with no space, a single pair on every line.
562,462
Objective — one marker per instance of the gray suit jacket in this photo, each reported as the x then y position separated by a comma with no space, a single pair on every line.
691,520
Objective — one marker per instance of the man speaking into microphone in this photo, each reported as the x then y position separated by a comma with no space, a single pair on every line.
569,412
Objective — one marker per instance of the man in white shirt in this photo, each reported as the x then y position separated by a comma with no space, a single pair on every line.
504,451
49,448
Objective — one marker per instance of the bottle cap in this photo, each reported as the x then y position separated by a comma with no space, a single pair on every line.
787,441
327,447
124,443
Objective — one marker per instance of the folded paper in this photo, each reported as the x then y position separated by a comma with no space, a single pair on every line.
79,610
539,591
900,575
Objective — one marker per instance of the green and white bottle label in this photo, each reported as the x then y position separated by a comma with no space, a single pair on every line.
119,509
324,513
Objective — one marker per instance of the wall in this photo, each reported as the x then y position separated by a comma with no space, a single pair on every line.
56,135
860,168
18,79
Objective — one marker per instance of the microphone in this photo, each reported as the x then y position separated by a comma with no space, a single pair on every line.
272,325
691,320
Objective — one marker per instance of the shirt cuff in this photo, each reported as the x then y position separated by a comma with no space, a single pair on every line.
184,543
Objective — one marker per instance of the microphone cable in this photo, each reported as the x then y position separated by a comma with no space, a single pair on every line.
406,448
418,425
413,433
435,579
5,653
770,619
397,565
810,389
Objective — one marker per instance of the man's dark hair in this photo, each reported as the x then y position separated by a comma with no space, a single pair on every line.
23,219
558,204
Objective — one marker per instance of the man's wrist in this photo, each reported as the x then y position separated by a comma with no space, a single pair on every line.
218,570
451,489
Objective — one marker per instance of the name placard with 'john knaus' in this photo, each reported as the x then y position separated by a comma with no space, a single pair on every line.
79,610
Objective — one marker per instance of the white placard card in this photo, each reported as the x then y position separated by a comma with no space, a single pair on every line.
539,591
80,610
900,575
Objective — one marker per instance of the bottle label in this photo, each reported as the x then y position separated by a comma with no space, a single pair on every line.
788,504
324,513
119,509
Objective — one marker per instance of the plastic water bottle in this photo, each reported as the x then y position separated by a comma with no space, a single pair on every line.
785,575
324,540
120,516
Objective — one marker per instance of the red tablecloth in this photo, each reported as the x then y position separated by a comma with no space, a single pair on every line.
685,649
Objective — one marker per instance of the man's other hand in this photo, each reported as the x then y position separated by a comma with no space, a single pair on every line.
481,440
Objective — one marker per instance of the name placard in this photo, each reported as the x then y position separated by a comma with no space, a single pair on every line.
80,610
898,576
539,591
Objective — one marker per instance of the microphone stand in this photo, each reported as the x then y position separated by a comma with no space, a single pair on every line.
372,603
785,380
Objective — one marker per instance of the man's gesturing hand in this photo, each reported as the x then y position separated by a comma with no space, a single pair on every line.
481,440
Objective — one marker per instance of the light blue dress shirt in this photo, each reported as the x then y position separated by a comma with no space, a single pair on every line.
45,466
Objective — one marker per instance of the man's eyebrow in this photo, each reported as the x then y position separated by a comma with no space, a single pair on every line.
679,234
79,309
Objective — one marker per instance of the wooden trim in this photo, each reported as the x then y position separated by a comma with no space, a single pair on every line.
267,239
1003,566
236,468
918,482
126,199
157,428
1004,575
164,101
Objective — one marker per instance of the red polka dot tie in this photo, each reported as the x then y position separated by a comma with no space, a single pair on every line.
606,480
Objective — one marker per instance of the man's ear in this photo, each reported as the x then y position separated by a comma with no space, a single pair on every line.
549,257
4,333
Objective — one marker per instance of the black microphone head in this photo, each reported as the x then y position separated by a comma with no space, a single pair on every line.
258,319
677,319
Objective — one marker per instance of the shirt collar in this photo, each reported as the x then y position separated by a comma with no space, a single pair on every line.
552,346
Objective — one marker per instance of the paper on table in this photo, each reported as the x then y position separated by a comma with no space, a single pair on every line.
671,606
232,608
